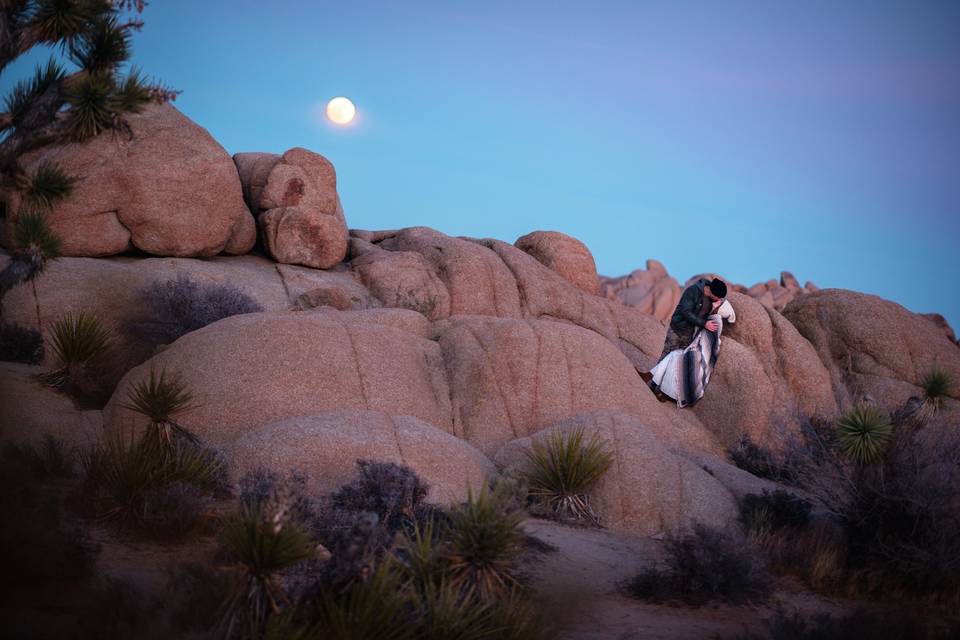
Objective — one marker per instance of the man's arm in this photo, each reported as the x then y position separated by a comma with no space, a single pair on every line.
687,310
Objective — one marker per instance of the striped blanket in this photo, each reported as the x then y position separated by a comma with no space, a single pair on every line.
683,374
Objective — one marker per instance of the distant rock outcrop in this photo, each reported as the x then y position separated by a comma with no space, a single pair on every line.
299,210
168,189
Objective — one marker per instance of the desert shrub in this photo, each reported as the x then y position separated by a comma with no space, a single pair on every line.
262,486
173,509
394,492
86,366
51,458
263,541
937,384
20,344
194,594
131,484
859,623
484,539
863,433
705,565
759,461
563,468
176,307
162,398
769,512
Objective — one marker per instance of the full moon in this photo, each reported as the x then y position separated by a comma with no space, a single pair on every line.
341,110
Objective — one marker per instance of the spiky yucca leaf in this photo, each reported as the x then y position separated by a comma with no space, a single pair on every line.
101,48
564,467
62,20
35,238
162,398
92,107
263,540
937,384
448,612
863,433
422,553
121,472
484,539
133,93
78,338
21,98
374,609
48,185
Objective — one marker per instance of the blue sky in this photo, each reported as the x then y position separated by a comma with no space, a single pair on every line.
744,138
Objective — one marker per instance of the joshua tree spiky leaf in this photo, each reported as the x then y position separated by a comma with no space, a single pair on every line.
25,92
263,540
35,238
484,538
564,468
863,433
48,185
162,398
60,20
133,93
102,48
937,384
76,339
91,109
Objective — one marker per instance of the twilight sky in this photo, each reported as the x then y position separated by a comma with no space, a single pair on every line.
738,137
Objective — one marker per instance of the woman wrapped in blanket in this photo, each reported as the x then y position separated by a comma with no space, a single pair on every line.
683,374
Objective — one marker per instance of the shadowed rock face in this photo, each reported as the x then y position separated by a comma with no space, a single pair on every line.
169,190
872,346
326,447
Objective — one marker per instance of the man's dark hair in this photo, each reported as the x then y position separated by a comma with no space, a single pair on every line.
718,287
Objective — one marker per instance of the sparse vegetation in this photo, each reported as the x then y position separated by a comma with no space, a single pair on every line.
702,566
162,398
863,433
20,344
130,483
51,458
860,623
391,491
759,461
769,512
77,340
483,539
937,384
563,468
173,308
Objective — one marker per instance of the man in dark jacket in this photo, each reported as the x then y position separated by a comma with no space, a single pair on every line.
695,305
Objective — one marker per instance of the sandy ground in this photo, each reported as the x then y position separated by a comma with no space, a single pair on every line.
579,586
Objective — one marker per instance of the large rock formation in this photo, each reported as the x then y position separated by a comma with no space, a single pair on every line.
872,346
326,447
567,256
299,209
649,490
169,189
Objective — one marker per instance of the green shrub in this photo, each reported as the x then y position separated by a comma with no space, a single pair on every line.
759,461
863,433
82,347
767,512
162,399
20,344
937,385
705,565
263,541
484,540
130,482
564,468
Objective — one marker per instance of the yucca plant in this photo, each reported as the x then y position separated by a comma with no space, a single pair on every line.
162,398
263,540
863,433
445,611
563,468
422,553
483,541
378,608
937,383
122,472
77,339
